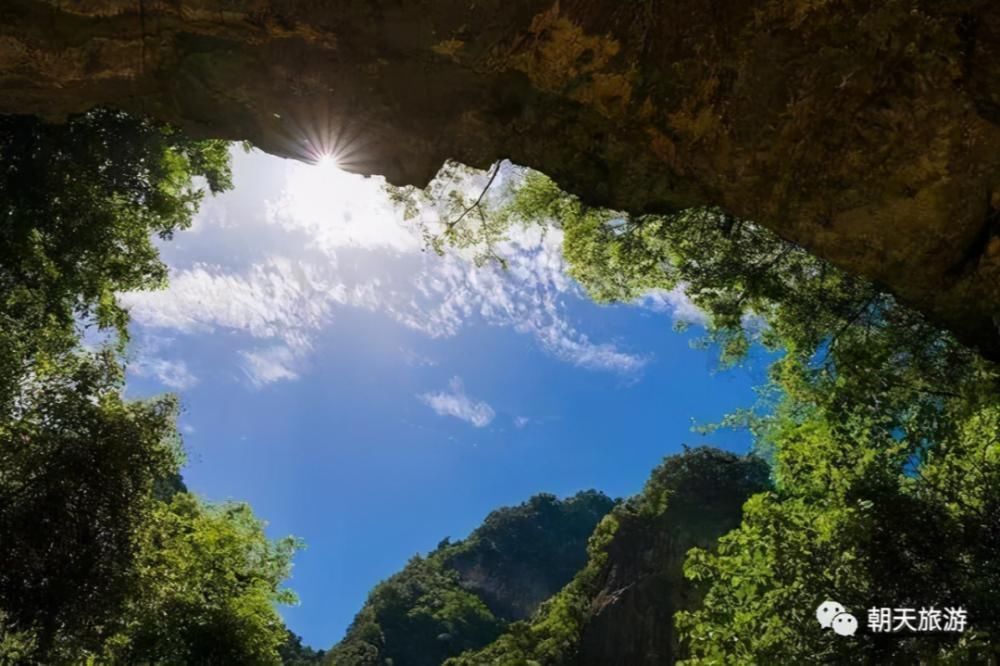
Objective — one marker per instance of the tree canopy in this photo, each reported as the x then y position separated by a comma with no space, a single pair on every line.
208,582
882,433
79,467
81,203
104,556
881,429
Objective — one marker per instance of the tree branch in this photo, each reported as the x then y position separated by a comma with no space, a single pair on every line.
476,204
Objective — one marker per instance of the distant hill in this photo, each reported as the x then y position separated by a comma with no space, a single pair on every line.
618,610
463,595
526,587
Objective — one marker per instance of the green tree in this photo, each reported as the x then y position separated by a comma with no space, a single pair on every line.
103,554
78,465
880,426
79,205
208,579
852,520
294,653
420,616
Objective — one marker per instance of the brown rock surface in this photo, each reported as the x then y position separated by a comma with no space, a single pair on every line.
868,132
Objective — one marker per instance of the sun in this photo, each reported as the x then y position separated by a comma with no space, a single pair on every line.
340,209
327,162
315,188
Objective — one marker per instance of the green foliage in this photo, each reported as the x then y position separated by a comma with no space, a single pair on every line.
16,646
293,653
98,559
853,522
460,209
785,558
689,499
419,616
551,637
78,468
530,550
462,595
208,579
105,557
79,203
880,426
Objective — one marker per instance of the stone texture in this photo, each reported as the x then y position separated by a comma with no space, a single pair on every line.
641,585
868,132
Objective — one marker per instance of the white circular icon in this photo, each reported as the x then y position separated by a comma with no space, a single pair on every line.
845,624
827,611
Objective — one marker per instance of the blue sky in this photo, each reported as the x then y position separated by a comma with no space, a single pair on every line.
373,398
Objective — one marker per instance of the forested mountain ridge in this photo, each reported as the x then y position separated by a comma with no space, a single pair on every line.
498,597
463,594
619,609
520,556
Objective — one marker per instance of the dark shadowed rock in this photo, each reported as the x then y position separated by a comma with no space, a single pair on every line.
866,131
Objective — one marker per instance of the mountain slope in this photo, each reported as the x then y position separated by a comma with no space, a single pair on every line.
462,595
619,609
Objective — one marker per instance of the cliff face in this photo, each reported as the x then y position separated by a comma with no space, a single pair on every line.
631,620
520,557
690,501
869,132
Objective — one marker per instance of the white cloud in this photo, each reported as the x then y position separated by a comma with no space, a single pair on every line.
568,344
266,366
359,253
521,422
172,374
278,298
416,359
675,302
527,296
459,405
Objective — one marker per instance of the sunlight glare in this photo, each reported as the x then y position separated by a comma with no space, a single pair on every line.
341,209
327,162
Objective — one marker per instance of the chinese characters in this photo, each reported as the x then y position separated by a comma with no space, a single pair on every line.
891,620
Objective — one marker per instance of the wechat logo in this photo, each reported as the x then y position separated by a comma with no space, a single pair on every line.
832,615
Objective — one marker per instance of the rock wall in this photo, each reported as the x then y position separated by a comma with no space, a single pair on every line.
868,132
524,555
641,585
